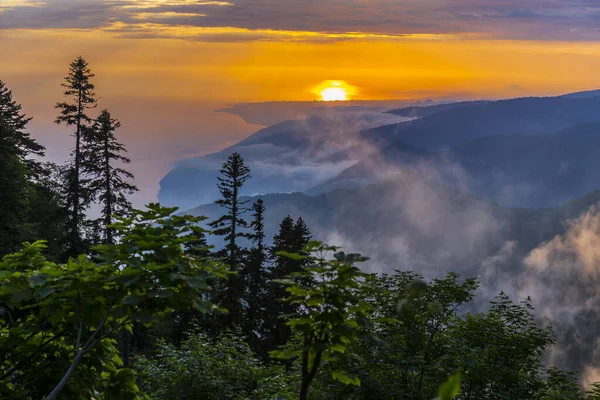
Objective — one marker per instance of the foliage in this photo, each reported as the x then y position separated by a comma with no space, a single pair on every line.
427,336
79,91
16,136
330,313
234,173
13,183
502,351
30,211
109,184
292,238
450,388
59,320
206,368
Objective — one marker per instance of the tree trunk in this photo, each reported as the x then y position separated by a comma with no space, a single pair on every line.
304,389
66,377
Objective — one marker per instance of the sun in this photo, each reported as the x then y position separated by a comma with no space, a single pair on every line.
334,91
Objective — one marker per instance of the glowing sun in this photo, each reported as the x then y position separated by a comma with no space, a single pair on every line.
334,91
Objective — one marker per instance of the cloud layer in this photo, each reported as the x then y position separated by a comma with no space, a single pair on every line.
213,20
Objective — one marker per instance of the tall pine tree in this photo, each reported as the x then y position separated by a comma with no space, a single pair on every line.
21,180
79,91
109,184
291,238
13,190
234,173
15,135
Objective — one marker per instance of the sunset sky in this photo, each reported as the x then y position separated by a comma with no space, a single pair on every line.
162,66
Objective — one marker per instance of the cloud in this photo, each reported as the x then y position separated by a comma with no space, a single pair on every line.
562,277
327,19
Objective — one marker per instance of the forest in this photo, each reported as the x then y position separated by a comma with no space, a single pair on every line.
99,300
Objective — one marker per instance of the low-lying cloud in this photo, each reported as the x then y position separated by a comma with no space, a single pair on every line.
562,278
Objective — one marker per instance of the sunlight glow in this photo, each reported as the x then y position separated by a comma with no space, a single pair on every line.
334,94
334,91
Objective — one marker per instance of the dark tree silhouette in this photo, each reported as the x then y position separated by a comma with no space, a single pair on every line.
109,184
16,136
13,187
302,233
234,173
199,247
22,181
256,277
79,91
291,238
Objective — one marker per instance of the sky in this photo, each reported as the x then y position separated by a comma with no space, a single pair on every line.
163,66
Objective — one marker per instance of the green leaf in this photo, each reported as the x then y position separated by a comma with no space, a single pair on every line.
342,377
38,279
22,295
291,256
450,389
129,280
133,299
44,292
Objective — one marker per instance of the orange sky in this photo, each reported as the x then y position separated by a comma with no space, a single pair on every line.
224,72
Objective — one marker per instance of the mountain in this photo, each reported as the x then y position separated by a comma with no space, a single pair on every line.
535,171
424,111
583,95
289,156
350,146
460,125
513,170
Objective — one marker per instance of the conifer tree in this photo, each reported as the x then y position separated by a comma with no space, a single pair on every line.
291,238
13,189
79,91
15,135
301,233
234,173
109,184
21,176
46,212
198,248
255,274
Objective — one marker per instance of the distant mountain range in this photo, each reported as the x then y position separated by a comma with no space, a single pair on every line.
424,111
525,152
513,170
289,156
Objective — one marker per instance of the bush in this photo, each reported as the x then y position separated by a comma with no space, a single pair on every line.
206,368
